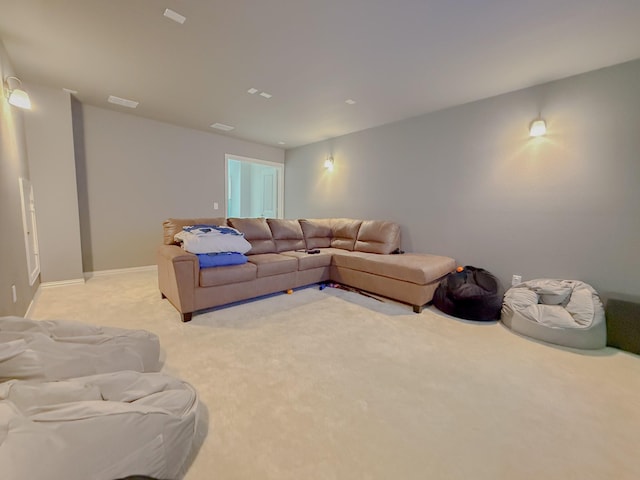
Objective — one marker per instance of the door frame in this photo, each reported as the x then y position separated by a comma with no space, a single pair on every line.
30,229
280,179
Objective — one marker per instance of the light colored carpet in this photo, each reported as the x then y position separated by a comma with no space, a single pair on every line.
333,385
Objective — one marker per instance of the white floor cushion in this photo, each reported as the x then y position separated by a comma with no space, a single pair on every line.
58,349
100,427
563,312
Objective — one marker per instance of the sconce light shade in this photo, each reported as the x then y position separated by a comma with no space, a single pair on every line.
328,164
16,96
20,98
538,128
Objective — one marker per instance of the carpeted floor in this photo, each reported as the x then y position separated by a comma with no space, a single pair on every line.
333,385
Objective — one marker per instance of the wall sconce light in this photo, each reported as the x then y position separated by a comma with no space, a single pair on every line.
537,128
328,164
16,96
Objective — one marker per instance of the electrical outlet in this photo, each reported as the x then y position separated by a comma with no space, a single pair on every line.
14,293
215,205
516,279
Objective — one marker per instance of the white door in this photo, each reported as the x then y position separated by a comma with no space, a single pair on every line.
30,229
267,192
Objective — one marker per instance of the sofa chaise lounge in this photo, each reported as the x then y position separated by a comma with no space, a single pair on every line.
357,253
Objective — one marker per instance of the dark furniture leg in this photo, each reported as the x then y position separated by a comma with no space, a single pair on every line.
417,309
186,317
163,295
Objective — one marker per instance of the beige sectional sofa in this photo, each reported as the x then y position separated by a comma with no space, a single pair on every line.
357,253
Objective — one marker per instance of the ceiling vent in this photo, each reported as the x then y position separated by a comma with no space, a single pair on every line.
175,16
223,127
122,101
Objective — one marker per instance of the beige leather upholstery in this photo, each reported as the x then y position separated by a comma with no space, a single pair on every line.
376,236
418,268
257,233
317,232
287,234
210,277
344,233
308,261
273,264
353,252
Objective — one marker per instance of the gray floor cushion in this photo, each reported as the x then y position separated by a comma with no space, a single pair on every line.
59,349
563,312
99,427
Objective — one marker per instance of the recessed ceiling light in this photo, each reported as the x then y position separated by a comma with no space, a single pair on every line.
252,91
349,101
281,143
265,95
68,90
122,101
222,126
175,16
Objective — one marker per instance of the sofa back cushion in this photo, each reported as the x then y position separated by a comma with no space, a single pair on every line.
317,232
257,233
344,233
174,225
378,236
287,234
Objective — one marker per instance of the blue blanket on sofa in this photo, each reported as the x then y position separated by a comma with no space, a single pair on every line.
207,260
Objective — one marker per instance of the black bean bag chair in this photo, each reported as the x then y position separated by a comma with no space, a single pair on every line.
472,294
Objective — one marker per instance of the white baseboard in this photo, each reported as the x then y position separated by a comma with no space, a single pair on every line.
117,271
81,281
62,283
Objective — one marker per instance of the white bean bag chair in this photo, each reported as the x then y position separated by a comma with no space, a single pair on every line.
100,427
562,312
59,349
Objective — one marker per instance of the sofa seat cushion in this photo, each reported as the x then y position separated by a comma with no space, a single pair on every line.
211,277
287,234
257,233
269,264
417,268
308,261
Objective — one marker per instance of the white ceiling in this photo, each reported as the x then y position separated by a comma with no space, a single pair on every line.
396,58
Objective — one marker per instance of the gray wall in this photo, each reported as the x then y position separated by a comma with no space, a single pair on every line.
133,173
53,175
13,165
470,183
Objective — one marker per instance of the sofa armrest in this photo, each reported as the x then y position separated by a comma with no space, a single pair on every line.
178,276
